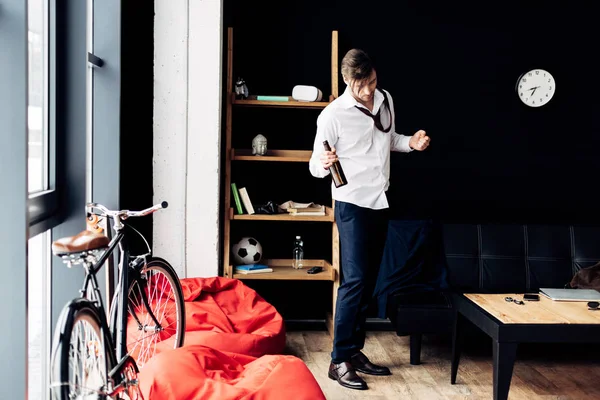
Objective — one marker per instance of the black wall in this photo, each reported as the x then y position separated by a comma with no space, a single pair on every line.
452,69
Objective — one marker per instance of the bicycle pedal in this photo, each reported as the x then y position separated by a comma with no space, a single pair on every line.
126,362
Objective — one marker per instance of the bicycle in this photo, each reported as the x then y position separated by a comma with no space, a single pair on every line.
99,357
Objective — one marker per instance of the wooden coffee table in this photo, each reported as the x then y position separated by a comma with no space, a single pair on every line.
509,324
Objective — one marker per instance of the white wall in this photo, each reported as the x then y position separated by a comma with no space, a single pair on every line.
187,131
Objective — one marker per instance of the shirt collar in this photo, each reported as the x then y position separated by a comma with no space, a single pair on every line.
347,101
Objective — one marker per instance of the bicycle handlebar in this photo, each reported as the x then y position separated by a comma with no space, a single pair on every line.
124,214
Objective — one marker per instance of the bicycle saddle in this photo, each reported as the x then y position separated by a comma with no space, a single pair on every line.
83,241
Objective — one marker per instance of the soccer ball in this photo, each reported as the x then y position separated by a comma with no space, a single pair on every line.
247,251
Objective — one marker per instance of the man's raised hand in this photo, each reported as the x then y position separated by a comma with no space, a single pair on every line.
419,141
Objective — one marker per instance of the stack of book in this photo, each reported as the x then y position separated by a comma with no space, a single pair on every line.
252,269
240,196
295,208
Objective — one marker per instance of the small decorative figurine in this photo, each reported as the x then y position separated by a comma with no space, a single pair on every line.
259,145
241,90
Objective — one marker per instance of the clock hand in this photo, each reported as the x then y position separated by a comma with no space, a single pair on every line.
534,89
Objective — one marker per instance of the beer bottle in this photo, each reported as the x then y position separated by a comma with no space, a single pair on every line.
337,173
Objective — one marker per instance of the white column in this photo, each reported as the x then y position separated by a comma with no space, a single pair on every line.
187,131
204,136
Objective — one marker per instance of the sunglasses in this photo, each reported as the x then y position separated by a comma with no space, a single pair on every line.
593,305
516,301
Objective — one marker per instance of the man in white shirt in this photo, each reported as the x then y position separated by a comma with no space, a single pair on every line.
360,127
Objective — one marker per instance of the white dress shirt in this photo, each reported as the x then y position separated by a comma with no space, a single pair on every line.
363,150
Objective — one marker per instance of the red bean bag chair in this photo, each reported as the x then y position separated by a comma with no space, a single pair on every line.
227,315
199,372
221,313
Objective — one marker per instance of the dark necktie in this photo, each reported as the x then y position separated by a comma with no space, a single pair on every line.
377,117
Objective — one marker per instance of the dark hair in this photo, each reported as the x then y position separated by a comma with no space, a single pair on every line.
357,65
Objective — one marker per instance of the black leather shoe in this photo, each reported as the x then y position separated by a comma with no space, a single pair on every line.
361,363
346,376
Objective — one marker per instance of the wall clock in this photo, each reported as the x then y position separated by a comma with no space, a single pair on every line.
535,88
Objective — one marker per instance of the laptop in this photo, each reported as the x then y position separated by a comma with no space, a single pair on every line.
571,294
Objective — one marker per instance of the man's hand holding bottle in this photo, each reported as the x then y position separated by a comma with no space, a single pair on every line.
329,160
328,157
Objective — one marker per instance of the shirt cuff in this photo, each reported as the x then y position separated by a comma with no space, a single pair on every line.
404,145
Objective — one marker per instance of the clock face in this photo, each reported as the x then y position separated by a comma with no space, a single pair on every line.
536,87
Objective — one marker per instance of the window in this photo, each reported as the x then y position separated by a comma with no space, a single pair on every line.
39,181
89,109
38,313
41,107
37,103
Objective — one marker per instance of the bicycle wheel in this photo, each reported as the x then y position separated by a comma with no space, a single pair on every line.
79,357
156,307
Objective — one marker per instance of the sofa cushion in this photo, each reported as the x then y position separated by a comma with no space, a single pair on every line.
428,299
429,311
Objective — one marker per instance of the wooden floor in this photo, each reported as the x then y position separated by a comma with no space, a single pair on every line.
541,371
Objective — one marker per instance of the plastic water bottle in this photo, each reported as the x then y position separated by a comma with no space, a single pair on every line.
298,257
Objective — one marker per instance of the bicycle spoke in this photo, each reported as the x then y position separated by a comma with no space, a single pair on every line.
88,390
140,339
154,307
85,373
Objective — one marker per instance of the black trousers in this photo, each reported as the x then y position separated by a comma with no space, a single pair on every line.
363,233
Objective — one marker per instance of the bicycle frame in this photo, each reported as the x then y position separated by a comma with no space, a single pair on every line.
128,272
116,333
91,290
121,367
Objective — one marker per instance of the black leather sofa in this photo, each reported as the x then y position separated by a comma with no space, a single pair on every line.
424,262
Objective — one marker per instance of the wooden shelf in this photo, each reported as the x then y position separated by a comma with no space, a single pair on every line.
280,104
235,160
328,217
282,270
272,155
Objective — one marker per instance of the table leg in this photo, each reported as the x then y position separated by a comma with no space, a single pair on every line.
459,322
505,355
415,348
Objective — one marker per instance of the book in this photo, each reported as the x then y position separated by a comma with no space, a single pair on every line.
295,208
307,211
272,98
251,267
314,208
246,200
236,198
253,271
571,294
310,213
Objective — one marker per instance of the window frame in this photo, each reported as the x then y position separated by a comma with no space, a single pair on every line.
59,209
13,202
43,207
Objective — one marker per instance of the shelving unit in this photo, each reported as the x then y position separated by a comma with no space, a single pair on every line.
282,268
